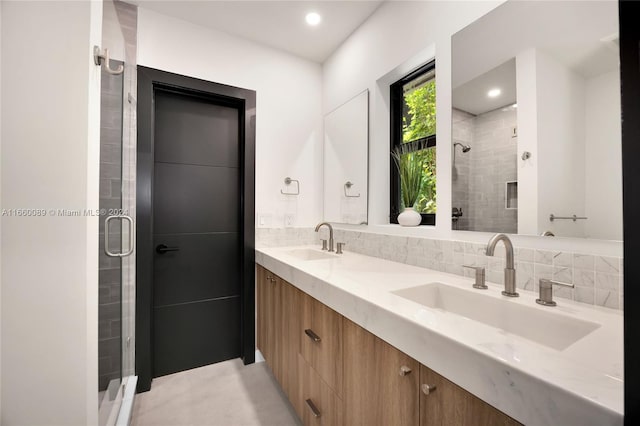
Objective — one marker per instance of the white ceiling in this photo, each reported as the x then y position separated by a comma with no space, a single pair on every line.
279,24
571,30
590,59
472,95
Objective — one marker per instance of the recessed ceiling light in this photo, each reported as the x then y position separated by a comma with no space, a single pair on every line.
494,93
514,106
313,18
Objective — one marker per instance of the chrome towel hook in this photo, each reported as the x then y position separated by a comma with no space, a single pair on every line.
288,181
100,58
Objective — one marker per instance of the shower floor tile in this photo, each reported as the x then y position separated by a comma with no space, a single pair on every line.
223,394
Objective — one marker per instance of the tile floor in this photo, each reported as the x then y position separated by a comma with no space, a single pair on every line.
223,394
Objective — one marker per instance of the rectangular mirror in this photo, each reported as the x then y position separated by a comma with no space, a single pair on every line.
346,151
536,121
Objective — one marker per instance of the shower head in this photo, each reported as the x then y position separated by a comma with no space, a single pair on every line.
465,148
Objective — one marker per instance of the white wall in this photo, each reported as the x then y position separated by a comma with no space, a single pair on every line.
49,160
561,135
398,37
527,142
572,127
603,171
289,113
346,146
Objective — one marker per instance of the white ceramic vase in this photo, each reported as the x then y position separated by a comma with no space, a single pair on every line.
409,217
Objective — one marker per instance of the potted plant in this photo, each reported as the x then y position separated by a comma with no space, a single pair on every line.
410,171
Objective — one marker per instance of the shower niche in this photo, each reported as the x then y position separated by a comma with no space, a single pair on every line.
511,195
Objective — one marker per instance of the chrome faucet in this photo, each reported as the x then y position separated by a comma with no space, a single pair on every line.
509,270
330,233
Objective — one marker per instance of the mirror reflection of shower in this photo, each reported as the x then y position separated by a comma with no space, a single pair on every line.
457,212
464,148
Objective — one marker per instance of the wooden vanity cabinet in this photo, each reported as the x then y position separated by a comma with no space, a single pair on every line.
337,373
381,383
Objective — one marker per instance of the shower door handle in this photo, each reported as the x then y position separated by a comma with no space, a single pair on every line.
127,219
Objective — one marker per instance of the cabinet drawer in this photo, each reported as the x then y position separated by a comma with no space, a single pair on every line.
318,403
321,341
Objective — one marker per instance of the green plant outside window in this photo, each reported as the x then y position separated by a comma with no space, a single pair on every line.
419,122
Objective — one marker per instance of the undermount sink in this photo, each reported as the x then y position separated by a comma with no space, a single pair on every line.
310,254
546,328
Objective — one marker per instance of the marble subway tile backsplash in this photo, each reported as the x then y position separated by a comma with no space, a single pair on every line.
597,279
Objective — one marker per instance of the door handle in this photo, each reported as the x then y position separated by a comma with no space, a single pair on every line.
127,219
162,249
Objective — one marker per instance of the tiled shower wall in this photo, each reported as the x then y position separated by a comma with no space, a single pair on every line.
462,132
598,279
485,170
493,163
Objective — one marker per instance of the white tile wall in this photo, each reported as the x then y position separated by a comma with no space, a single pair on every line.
598,279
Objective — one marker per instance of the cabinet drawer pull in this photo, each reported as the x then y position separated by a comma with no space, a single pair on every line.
404,370
313,336
427,389
313,408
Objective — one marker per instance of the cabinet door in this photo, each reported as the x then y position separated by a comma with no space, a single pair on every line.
266,295
321,337
290,341
263,306
276,321
381,384
445,403
320,404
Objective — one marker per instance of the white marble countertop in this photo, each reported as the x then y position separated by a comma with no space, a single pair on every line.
536,385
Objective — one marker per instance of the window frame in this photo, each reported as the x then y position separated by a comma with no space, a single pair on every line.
396,108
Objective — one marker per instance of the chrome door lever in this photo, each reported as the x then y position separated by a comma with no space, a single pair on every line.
162,249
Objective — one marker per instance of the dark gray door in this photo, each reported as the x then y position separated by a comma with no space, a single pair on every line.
196,224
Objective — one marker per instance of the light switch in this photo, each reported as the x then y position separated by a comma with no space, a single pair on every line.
264,219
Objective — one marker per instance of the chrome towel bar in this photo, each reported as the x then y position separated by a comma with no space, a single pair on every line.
552,217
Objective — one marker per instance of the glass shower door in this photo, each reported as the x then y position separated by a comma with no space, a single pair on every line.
116,277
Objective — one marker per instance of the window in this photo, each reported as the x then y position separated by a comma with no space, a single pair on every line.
413,136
